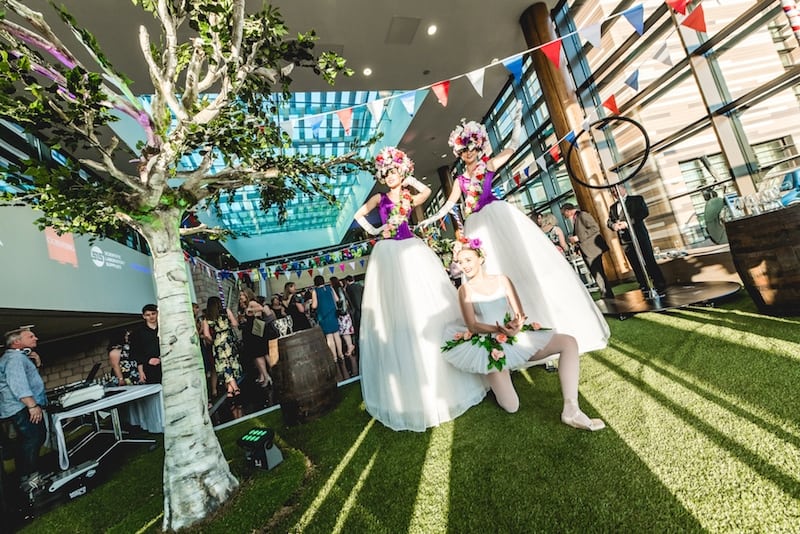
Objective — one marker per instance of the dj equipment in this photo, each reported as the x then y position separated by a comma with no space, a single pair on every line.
69,395
77,396
259,450
42,491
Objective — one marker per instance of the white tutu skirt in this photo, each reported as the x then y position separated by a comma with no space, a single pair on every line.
551,292
475,358
408,301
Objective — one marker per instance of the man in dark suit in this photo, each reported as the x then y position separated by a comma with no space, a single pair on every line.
354,292
591,243
638,212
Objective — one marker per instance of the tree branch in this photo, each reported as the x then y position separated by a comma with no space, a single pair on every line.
203,229
161,84
49,41
170,56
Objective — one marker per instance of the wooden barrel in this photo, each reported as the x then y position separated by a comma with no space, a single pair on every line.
305,376
766,252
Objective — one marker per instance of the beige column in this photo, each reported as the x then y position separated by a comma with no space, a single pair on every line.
566,115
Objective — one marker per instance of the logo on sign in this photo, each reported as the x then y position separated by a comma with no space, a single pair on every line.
97,256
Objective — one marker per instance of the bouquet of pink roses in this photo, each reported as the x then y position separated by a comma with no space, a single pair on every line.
493,343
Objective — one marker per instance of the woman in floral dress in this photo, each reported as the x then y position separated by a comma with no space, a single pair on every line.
218,328
408,300
515,246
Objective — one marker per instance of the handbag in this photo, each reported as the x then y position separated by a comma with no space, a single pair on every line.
258,327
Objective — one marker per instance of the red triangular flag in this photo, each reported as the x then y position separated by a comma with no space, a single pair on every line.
440,90
310,272
696,20
277,275
611,105
553,51
678,5
346,118
555,153
516,179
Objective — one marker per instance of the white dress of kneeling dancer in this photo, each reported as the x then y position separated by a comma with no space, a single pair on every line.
549,289
408,301
491,309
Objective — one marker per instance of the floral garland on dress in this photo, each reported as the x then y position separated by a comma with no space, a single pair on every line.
474,187
493,343
398,214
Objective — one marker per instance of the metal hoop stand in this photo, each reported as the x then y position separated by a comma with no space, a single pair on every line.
698,292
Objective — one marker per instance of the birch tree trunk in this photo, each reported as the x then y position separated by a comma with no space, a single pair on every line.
197,479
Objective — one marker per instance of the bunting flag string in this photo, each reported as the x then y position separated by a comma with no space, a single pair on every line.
513,63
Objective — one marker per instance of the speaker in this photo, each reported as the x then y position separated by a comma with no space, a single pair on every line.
259,448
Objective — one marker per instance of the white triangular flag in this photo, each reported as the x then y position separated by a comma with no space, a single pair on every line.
352,265
476,79
288,274
591,34
662,55
321,270
288,127
586,125
540,162
376,108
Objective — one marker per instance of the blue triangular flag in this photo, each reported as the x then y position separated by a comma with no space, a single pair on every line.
633,80
514,66
316,122
526,171
571,137
408,99
635,16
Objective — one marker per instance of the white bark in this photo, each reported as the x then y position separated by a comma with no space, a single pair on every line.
197,479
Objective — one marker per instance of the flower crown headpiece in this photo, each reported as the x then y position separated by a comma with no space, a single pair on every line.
465,242
469,136
392,158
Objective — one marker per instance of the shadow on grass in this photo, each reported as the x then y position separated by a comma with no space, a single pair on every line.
785,482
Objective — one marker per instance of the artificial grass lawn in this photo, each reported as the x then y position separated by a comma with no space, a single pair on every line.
702,435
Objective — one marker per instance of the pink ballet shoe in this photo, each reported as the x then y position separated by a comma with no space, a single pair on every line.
582,421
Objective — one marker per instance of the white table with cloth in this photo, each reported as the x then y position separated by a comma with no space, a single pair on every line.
142,406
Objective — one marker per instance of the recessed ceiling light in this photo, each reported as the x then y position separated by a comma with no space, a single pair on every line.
444,155
97,324
367,71
432,29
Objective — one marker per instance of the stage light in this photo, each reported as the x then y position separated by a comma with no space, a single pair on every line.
259,449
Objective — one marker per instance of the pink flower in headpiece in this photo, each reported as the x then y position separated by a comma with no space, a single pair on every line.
392,158
475,243
469,135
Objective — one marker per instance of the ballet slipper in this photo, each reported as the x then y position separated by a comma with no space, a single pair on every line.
581,421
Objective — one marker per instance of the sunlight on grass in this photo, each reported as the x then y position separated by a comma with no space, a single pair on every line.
432,505
733,334
150,523
308,516
352,499
703,444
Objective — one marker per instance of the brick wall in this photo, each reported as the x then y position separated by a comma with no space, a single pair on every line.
67,361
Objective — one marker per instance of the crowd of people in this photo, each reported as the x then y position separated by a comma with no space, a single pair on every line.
427,349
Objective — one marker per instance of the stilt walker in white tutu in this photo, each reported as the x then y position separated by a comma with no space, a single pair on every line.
495,338
549,289
408,301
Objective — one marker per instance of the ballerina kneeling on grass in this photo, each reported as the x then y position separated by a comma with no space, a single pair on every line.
497,340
